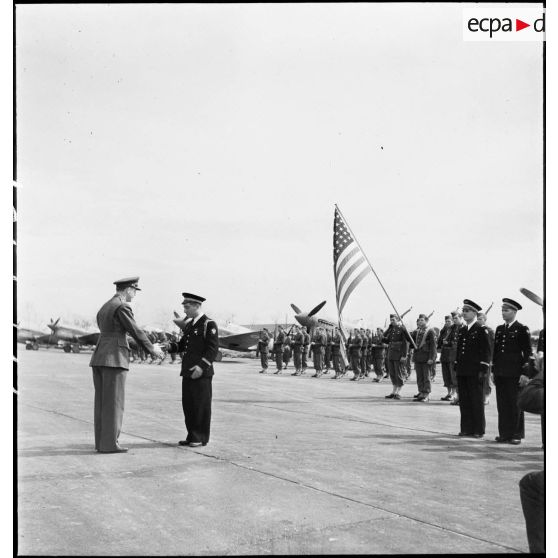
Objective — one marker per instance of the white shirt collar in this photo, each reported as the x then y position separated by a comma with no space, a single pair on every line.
510,324
196,318
469,326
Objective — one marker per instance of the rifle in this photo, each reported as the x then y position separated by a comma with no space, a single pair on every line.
404,313
430,315
488,310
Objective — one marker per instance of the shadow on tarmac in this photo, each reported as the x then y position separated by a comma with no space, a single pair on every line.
467,450
85,449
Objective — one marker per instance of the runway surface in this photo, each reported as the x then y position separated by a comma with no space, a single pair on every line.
295,465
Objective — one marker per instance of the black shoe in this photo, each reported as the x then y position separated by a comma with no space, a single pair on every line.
465,434
396,396
183,442
479,436
502,440
390,396
417,395
117,450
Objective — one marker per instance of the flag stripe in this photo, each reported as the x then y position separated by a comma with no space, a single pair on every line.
347,274
345,256
352,286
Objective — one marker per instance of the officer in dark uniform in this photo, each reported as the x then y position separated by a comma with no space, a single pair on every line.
472,364
513,366
298,346
487,389
199,346
278,349
368,352
397,339
110,362
263,348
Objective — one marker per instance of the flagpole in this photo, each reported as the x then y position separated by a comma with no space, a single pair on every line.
375,274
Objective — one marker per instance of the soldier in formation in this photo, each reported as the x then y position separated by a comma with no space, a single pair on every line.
424,356
396,338
263,349
278,349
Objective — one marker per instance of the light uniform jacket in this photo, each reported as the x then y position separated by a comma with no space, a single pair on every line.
114,319
396,339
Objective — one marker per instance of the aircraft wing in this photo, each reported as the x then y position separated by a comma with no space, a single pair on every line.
88,339
240,342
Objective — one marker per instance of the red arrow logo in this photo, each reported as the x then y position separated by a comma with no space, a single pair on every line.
519,25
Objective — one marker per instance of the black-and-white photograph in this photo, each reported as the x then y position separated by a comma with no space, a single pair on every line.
280,278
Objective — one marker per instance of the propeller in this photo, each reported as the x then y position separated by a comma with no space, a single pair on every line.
53,324
296,308
316,309
532,296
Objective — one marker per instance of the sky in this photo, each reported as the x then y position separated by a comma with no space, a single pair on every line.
204,147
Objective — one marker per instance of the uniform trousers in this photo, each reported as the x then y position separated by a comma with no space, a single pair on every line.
109,386
278,356
264,358
532,494
397,372
378,363
196,404
511,422
363,364
423,376
327,357
319,359
305,357
337,363
297,357
471,404
355,364
448,375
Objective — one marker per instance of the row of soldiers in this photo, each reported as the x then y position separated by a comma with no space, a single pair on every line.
470,353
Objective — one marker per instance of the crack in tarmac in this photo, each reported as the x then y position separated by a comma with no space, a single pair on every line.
301,484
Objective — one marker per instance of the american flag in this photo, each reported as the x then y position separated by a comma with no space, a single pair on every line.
349,264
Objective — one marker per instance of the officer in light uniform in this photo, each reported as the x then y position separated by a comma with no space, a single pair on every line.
513,367
305,348
338,365
317,346
424,355
199,346
354,350
110,362
278,348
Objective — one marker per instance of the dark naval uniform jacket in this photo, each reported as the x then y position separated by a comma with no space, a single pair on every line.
114,319
199,345
396,338
513,354
473,351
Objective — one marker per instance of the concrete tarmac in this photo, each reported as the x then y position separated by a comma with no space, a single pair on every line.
295,465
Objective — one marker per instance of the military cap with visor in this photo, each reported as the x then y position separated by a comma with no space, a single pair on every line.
472,305
511,304
127,282
189,297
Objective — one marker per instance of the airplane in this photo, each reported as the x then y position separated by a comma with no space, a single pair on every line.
70,338
310,321
231,336
30,337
